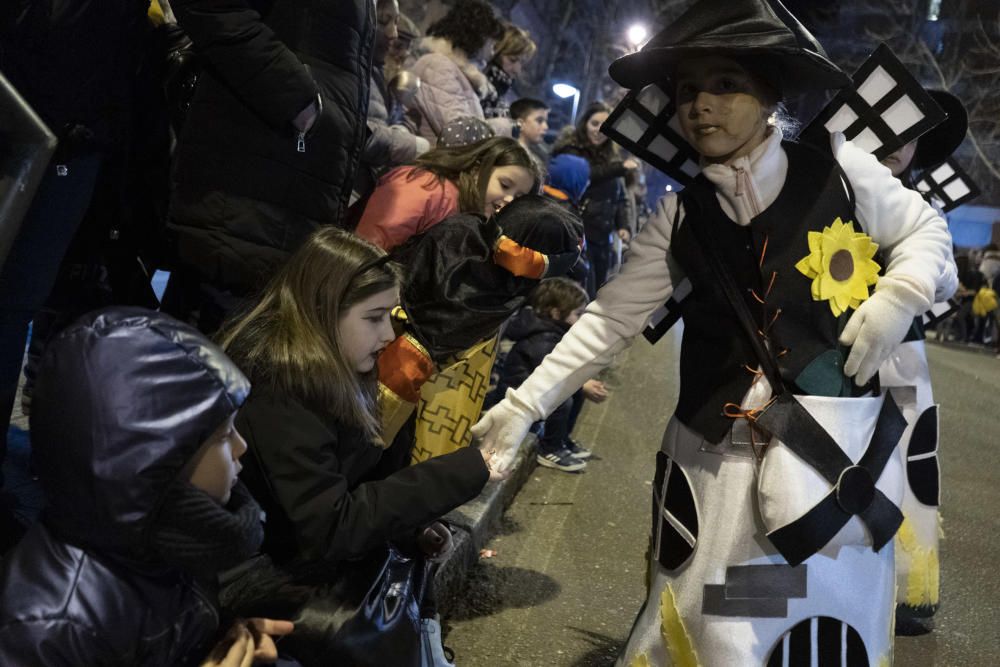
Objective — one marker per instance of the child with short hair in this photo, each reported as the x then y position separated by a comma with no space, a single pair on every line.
531,117
555,305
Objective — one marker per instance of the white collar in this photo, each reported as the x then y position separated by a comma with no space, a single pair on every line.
752,182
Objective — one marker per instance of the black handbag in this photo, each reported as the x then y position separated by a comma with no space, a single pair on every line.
367,613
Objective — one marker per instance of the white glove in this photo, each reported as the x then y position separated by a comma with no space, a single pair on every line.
503,428
875,330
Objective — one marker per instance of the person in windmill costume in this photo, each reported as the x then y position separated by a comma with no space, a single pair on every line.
907,376
777,485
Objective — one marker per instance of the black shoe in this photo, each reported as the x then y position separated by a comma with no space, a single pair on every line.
577,450
909,624
561,460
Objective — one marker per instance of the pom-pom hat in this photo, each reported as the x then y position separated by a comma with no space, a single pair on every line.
758,29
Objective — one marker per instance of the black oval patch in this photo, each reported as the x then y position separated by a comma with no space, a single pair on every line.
922,470
675,516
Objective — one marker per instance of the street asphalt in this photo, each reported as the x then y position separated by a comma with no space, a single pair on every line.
567,576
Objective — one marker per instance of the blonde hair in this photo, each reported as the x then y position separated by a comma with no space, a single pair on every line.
289,340
515,42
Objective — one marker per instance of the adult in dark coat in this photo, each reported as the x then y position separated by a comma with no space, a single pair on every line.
124,402
606,211
272,139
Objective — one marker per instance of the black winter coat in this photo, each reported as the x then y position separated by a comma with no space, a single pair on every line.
248,188
84,587
312,475
534,337
605,208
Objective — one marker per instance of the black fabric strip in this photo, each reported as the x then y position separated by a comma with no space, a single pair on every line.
791,423
883,519
810,532
888,430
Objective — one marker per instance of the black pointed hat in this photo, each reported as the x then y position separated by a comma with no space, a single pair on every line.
763,29
938,143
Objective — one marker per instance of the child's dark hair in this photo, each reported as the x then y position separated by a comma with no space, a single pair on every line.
470,167
468,25
522,107
559,294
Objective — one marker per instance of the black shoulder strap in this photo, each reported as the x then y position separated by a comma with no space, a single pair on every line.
732,294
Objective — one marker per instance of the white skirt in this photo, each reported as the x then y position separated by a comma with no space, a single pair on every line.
734,600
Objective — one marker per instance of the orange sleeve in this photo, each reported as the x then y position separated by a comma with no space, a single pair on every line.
404,366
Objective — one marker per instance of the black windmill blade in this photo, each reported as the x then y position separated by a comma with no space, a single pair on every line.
947,186
645,123
884,109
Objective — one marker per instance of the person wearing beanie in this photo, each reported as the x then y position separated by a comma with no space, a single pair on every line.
776,490
133,439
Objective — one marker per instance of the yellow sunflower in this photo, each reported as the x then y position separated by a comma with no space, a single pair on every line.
840,265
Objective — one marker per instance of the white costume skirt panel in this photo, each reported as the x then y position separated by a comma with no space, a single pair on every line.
906,375
734,601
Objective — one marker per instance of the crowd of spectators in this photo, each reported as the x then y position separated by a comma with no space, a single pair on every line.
267,156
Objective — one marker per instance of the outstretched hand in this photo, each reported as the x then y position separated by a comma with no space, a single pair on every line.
500,432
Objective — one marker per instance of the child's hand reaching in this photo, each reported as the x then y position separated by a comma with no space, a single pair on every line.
248,643
594,390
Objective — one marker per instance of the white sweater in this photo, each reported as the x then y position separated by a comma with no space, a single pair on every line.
920,269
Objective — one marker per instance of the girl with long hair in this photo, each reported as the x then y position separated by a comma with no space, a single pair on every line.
309,345
606,212
479,179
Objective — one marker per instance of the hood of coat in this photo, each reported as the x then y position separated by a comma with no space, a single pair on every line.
123,399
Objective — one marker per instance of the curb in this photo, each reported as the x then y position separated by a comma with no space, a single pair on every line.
474,523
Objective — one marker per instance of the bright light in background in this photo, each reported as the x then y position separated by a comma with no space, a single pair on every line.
637,35
564,90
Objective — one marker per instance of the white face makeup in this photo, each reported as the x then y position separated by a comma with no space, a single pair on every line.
901,159
365,329
720,108
506,184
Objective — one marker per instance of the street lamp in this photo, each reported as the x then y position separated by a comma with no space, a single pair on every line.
565,90
637,34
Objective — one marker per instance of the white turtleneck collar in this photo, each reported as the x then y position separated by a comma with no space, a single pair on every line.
752,182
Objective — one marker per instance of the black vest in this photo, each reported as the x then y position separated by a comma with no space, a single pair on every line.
717,361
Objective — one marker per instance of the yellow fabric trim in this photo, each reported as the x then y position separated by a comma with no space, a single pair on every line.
923,576
451,401
640,661
394,412
155,13
675,635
